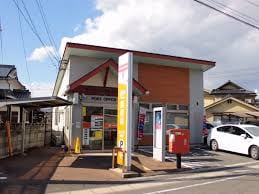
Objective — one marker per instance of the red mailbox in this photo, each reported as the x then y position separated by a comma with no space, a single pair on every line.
179,141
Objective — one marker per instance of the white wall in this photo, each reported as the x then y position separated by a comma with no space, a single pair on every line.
82,65
196,105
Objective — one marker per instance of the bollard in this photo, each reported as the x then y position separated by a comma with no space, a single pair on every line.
178,160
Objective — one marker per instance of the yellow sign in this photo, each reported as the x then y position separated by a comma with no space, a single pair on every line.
84,111
98,135
122,121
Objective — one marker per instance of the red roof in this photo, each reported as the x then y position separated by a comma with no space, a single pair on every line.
139,53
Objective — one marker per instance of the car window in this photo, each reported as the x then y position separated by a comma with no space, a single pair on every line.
236,130
224,129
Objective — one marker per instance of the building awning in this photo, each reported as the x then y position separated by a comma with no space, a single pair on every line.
40,102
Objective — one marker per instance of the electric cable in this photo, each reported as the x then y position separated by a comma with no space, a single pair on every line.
35,29
228,14
35,32
47,28
24,50
240,14
252,3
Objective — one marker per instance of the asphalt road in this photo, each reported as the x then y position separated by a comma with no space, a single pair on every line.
211,172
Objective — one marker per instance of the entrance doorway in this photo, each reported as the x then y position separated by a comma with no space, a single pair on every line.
99,127
110,128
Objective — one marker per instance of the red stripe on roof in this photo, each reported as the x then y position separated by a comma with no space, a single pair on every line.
140,53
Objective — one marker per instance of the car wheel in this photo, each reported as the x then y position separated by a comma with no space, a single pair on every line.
214,145
254,152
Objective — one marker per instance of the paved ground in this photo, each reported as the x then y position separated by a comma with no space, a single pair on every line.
48,170
224,172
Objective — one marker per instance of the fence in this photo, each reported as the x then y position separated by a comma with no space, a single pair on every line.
36,135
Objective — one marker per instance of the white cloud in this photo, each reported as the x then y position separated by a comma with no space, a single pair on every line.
40,89
179,27
40,54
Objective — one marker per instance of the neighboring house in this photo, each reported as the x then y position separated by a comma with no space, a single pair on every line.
229,103
88,76
208,98
11,88
232,89
229,110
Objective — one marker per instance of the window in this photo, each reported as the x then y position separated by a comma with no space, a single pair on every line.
148,127
183,107
14,118
156,105
144,105
236,131
171,107
225,129
177,120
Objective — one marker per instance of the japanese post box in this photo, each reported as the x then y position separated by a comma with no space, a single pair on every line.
179,141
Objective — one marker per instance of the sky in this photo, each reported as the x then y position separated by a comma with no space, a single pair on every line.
174,27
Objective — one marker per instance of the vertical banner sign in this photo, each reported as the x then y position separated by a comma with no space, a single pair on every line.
141,122
124,121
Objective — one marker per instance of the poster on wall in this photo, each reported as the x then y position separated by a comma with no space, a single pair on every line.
96,122
86,136
158,128
141,123
158,120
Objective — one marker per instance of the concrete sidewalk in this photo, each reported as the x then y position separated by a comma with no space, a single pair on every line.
51,166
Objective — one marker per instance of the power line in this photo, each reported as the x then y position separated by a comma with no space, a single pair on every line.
240,14
48,31
252,3
1,42
229,15
23,45
33,28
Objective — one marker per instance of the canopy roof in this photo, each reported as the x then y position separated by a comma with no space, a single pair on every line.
41,102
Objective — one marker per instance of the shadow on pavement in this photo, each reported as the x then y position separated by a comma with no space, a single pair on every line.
22,171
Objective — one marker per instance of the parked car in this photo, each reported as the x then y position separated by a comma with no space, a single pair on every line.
243,139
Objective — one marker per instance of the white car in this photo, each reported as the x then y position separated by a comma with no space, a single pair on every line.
243,139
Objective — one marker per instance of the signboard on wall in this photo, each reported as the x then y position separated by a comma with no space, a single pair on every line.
141,122
86,136
124,120
96,122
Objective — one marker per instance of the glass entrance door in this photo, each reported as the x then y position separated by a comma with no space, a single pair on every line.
110,128
93,127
